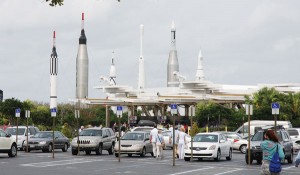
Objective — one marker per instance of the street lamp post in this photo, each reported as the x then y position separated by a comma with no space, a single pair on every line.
174,113
119,115
77,115
27,115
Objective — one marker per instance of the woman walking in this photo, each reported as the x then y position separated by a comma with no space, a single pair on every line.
269,147
160,143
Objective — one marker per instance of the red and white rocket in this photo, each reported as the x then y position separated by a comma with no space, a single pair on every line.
53,75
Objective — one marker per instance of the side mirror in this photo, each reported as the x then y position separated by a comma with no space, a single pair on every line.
222,141
105,136
56,138
147,139
8,135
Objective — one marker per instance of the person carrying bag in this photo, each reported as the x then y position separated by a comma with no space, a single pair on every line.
272,154
160,144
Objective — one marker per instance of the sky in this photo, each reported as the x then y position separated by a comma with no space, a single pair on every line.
243,42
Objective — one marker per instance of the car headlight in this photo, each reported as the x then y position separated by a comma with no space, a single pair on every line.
43,142
212,147
93,141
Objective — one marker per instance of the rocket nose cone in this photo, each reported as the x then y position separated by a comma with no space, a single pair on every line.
54,54
82,38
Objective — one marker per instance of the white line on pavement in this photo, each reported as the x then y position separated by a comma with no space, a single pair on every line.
184,172
62,162
226,172
288,167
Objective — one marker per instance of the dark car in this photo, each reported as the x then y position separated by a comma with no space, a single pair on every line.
44,141
258,137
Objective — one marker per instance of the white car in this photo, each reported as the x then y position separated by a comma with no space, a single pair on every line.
295,136
22,131
237,141
8,144
209,145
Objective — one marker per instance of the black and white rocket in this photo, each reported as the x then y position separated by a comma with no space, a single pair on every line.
173,65
112,71
53,75
82,66
141,78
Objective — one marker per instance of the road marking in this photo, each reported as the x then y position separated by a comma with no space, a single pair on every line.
61,163
229,171
285,168
184,172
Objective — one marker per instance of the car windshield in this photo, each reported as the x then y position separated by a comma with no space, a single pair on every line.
13,131
43,135
293,132
259,136
133,136
206,138
91,132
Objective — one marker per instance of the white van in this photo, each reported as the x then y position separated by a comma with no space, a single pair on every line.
22,130
256,125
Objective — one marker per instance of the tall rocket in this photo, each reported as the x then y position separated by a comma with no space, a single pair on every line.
173,65
141,78
82,66
53,75
200,72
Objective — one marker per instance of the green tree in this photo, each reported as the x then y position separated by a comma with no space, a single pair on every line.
8,107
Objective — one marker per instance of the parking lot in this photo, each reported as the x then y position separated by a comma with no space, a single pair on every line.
39,163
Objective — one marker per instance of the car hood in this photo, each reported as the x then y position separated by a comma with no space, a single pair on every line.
203,144
39,139
131,142
88,137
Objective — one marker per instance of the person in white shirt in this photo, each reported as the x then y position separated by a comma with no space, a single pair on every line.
153,135
297,160
159,145
176,139
181,142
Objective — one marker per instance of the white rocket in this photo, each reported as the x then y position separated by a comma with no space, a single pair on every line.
173,65
53,75
82,66
141,78
200,72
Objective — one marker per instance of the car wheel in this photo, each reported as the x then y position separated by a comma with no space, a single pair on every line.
187,158
230,155
87,152
290,158
218,155
117,154
44,150
111,149
243,149
99,150
129,155
50,148
259,161
65,148
246,158
74,151
13,151
143,152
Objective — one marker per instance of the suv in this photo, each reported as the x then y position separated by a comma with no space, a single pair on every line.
258,137
295,136
8,144
94,139
22,131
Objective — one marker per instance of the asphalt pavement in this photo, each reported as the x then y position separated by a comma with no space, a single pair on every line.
64,163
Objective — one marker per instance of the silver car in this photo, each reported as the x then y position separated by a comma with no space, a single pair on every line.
94,139
136,142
